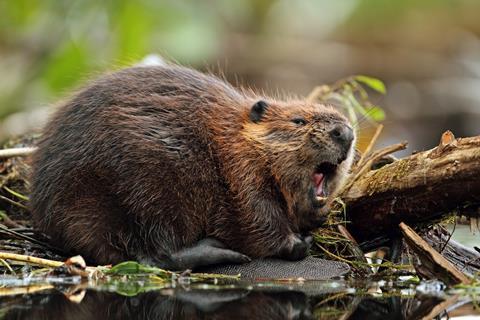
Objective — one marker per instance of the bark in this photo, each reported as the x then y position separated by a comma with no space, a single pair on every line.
432,264
416,190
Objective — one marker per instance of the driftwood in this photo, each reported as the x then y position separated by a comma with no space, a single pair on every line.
432,264
417,189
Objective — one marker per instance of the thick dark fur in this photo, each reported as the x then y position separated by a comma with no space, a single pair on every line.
149,160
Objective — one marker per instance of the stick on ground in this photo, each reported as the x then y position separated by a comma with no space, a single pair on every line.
432,261
16,152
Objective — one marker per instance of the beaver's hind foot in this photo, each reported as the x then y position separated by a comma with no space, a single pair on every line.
206,252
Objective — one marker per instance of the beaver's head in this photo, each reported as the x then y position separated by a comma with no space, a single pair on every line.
309,149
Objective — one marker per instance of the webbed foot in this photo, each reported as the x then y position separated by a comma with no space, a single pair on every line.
208,251
296,248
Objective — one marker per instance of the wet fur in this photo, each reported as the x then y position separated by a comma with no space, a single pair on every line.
149,160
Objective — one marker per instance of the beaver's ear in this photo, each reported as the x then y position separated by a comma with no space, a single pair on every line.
258,110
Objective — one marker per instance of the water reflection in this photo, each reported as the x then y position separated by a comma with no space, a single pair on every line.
244,302
232,304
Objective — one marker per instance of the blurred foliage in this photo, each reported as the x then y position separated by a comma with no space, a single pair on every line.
351,94
52,45
49,46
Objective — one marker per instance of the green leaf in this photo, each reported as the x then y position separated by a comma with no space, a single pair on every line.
372,83
360,109
129,289
376,113
135,268
16,194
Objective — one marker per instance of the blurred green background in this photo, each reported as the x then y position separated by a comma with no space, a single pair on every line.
427,52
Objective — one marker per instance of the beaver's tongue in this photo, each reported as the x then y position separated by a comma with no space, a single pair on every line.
319,181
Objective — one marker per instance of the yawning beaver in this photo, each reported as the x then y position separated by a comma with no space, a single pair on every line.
170,166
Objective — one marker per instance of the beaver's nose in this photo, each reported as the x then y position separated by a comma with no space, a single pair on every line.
343,135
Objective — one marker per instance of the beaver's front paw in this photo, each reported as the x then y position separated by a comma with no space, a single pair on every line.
296,248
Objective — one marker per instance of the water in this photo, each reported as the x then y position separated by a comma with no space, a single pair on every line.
154,298
463,235
72,298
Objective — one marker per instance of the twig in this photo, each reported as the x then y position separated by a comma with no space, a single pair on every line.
30,259
33,240
15,203
16,152
370,144
378,155
450,235
8,222
368,163
354,248
15,193
334,255
5,263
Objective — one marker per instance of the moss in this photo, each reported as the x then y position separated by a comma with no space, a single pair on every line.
384,176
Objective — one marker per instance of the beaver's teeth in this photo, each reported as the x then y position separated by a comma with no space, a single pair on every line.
322,199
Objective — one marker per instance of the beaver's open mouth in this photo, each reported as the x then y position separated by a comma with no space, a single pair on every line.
321,176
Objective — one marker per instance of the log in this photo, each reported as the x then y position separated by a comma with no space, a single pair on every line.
417,189
433,264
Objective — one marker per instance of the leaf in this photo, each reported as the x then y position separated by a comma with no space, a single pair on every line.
376,113
135,268
372,83
17,194
129,289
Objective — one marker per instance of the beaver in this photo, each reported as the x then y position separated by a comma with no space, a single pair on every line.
173,167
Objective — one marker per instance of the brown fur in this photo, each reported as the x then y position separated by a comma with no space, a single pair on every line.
148,160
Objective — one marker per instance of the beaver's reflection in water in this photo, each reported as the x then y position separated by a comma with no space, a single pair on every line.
195,304
218,304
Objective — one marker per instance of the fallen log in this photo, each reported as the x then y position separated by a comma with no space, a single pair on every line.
418,189
432,264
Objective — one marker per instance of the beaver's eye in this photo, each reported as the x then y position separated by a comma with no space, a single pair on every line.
299,121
